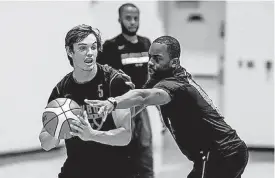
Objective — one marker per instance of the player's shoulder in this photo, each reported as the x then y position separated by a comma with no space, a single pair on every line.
118,86
170,82
64,80
108,71
180,79
105,68
112,41
60,88
143,39
114,79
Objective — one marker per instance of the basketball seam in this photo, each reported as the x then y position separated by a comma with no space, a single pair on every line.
67,120
62,126
51,118
63,103
59,115
65,115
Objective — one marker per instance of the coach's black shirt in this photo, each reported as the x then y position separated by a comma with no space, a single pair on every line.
132,58
87,159
193,120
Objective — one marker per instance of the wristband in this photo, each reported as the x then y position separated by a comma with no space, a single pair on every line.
113,101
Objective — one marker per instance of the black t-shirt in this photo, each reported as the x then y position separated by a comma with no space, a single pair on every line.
87,158
132,58
193,120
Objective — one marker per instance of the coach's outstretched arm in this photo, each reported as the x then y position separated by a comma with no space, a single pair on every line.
136,97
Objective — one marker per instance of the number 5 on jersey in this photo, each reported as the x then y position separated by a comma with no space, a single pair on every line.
100,91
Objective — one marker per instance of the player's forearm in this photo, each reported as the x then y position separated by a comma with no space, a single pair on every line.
47,141
116,137
130,99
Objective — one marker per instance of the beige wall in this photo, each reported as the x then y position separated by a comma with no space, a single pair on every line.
200,41
249,92
33,60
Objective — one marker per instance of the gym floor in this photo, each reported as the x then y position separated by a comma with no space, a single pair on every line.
174,165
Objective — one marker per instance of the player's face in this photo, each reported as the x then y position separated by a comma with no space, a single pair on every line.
129,20
85,53
159,59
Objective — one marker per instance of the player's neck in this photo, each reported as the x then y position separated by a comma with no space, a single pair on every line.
132,39
82,76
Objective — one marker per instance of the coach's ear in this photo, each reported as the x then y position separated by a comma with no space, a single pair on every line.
174,62
69,51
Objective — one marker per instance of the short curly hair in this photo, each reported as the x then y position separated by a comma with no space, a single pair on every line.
78,33
173,45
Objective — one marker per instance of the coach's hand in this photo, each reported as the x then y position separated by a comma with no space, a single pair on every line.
127,79
103,105
82,128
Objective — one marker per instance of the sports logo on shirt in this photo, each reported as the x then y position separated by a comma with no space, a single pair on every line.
121,47
96,121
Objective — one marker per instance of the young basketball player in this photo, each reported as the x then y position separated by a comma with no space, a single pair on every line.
96,150
195,123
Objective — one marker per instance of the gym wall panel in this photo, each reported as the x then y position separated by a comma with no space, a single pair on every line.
249,84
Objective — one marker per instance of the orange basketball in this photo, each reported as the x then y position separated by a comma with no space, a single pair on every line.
58,115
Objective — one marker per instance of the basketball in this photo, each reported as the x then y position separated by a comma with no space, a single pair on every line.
58,115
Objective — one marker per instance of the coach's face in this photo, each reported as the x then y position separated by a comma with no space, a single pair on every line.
129,20
159,60
84,53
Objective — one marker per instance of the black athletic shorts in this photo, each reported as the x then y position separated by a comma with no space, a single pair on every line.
221,167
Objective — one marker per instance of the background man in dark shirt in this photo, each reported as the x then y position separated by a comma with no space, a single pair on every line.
129,52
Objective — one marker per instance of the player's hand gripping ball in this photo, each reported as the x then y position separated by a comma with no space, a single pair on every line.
58,115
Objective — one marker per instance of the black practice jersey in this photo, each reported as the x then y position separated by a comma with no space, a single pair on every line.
87,158
192,118
132,58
